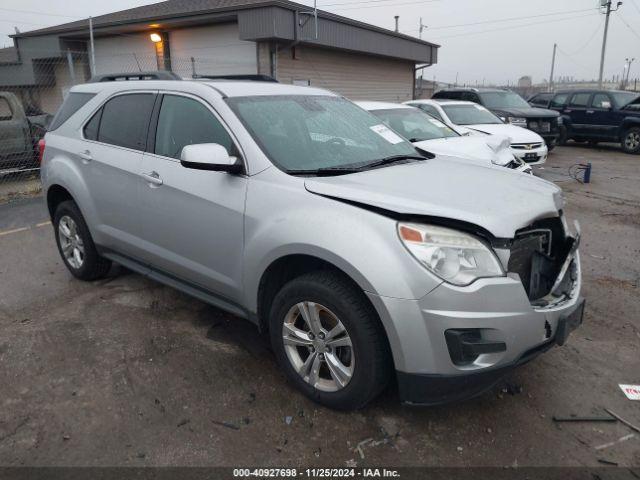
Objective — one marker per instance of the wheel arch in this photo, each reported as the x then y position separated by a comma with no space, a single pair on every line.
56,194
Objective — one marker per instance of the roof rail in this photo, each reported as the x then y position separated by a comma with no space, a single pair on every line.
248,76
117,77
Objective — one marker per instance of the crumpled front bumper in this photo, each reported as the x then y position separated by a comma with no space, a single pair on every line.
497,308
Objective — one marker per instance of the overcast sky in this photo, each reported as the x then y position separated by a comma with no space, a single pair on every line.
510,38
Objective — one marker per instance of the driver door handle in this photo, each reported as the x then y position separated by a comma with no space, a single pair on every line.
152,177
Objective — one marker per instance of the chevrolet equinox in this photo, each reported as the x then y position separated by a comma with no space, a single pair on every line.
365,259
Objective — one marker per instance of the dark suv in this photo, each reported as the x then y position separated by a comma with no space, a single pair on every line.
511,108
600,116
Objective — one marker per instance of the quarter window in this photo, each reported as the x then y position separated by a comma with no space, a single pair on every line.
125,120
91,127
580,100
184,121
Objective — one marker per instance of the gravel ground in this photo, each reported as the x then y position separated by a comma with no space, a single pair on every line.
127,372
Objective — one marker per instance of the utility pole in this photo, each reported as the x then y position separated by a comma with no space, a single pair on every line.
604,36
553,66
92,63
626,80
421,28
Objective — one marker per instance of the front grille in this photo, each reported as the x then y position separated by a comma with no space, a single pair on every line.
537,255
543,125
526,146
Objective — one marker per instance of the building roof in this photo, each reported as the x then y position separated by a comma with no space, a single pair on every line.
184,8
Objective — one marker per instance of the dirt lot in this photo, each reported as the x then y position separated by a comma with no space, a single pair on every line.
128,372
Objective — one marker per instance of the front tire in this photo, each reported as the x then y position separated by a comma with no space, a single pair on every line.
75,244
631,140
329,341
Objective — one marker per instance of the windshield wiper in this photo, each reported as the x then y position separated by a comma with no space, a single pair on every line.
326,171
393,159
331,171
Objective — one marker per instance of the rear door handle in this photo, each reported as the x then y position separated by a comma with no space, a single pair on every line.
152,177
85,156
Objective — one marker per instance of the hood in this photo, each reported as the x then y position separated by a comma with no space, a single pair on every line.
517,134
530,112
498,200
467,148
485,149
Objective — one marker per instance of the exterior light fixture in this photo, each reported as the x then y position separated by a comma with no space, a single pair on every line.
155,38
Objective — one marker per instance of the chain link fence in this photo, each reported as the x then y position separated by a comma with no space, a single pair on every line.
26,110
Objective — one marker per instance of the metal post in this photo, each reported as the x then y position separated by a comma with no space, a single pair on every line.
421,28
396,18
553,66
92,64
626,82
193,68
72,71
604,43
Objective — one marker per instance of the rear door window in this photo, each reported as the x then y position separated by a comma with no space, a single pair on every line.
74,102
125,120
580,99
601,100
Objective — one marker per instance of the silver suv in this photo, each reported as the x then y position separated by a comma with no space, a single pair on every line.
365,259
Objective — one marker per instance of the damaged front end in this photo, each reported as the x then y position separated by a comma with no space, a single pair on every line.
544,256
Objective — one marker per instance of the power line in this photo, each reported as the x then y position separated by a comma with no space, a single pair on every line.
39,13
587,42
628,26
510,19
516,26
368,1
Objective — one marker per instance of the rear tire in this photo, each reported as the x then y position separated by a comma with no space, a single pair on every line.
631,140
75,244
362,349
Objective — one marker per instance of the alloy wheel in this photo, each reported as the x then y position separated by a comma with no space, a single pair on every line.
632,140
71,243
318,346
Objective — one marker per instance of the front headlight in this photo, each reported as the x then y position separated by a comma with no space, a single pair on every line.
454,256
517,121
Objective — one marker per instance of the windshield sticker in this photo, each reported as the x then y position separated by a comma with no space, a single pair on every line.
437,123
387,134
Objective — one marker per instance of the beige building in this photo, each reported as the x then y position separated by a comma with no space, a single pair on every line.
285,40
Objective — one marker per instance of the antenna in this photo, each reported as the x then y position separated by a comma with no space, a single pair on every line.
314,14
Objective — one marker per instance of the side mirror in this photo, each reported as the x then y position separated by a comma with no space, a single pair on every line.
209,156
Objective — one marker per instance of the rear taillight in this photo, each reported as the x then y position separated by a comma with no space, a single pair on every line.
41,145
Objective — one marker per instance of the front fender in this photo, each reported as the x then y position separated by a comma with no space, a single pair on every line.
361,243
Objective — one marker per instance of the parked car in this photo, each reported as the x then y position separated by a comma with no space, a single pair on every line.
541,99
20,132
430,134
510,108
600,116
526,146
292,207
